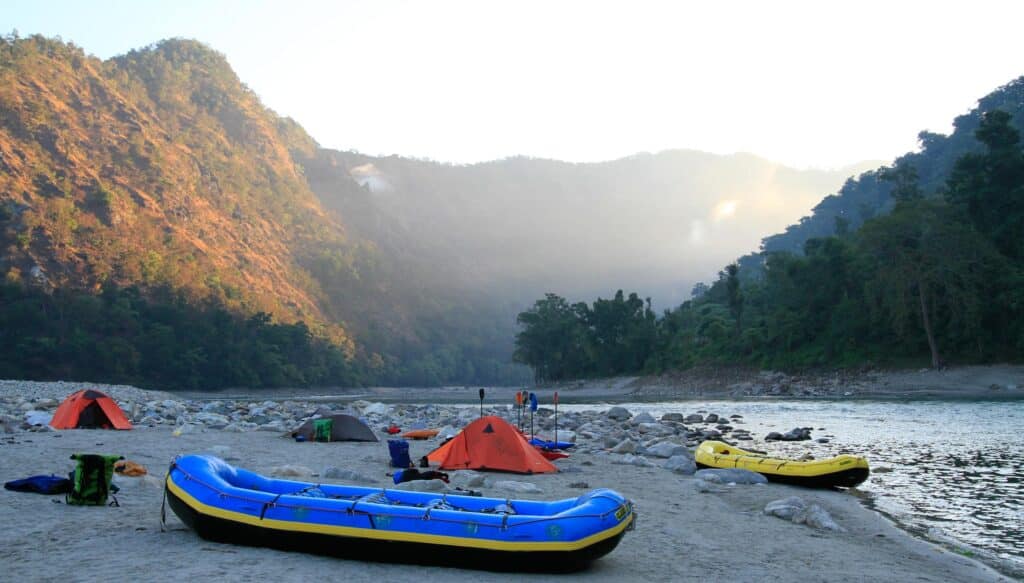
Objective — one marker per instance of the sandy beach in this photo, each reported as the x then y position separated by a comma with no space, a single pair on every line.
684,533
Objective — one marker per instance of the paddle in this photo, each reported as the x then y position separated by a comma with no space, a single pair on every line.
556,419
533,407
522,412
518,400
481,402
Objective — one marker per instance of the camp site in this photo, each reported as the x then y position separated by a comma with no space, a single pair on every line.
514,290
165,488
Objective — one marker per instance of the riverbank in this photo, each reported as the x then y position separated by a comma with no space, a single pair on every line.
968,382
1002,381
688,528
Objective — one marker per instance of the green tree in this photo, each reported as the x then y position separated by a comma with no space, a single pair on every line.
990,186
553,338
735,296
927,262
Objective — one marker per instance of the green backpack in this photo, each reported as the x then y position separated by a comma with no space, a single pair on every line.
91,480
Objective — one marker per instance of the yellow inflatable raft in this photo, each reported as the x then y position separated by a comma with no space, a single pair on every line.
844,471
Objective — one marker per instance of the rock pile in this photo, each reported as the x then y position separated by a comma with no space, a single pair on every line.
625,438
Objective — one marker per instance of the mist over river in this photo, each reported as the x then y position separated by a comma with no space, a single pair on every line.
950,470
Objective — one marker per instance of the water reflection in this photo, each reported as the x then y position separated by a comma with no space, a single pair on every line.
947,468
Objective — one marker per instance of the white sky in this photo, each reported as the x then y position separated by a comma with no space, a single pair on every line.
810,84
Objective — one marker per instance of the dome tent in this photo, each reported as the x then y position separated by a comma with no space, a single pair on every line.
89,409
491,443
337,427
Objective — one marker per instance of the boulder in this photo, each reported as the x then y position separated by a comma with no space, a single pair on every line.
212,420
786,508
376,409
517,487
625,446
798,511
681,464
730,476
704,486
694,418
35,417
654,429
619,413
644,417
632,460
565,435
347,475
422,486
795,434
468,479
673,417
666,449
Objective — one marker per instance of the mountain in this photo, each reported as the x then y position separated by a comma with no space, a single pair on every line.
157,189
867,195
519,227
155,167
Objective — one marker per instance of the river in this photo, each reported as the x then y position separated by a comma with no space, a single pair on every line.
948,470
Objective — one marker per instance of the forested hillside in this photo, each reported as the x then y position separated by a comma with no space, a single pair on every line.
160,225
159,171
869,194
933,275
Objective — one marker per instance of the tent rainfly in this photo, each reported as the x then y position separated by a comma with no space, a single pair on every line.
89,409
491,443
339,427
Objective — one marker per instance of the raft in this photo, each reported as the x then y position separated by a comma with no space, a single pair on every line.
551,444
551,454
232,505
843,471
421,433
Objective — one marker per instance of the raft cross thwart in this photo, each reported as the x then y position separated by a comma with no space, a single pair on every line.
228,504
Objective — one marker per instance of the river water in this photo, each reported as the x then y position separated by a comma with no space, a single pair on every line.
949,470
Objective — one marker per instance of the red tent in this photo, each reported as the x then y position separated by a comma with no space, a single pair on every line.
89,409
490,443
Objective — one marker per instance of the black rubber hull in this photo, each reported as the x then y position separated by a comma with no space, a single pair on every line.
228,531
842,479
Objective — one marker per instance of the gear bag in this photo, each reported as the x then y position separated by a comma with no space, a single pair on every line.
91,480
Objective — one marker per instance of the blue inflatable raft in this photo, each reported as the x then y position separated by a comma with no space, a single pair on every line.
228,504
551,444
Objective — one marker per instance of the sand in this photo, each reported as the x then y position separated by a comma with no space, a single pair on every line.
681,535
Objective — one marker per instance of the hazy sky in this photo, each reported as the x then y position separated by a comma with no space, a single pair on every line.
810,84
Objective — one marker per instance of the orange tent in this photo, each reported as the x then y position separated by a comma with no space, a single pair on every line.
89,409
490,443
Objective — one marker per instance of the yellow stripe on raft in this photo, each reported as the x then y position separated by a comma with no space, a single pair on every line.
716,454
395,535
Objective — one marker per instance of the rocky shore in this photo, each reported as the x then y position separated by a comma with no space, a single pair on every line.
689,526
